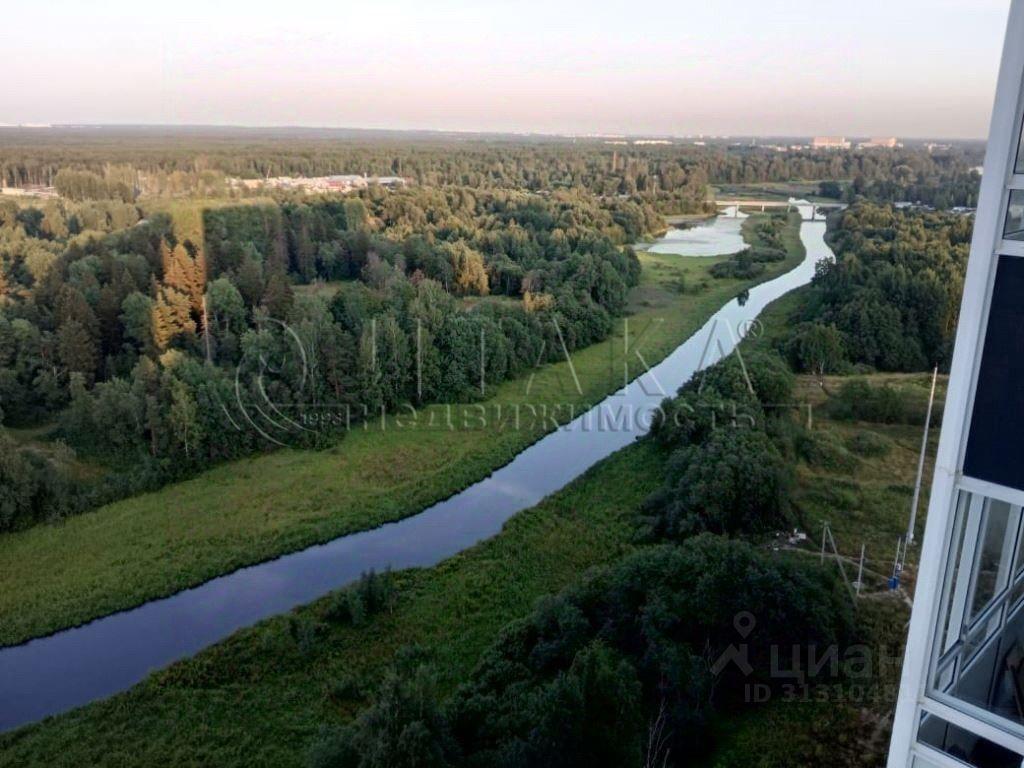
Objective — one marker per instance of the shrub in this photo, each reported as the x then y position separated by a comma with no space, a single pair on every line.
824,449
403,728
871,444
858,400
736,482
370,595
743,267
579,681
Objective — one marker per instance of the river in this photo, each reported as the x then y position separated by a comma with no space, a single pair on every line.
711,237
56,673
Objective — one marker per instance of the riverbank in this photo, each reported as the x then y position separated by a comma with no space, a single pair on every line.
256,509
260,697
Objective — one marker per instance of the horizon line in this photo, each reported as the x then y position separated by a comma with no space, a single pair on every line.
479,132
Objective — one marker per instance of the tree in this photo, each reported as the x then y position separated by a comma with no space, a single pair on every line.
183,417
185,274
53,224
468,266
384,363
17,485
278,296
404,728
137,314
172,317
77,419
225,306
737,481
76,349
588,716
817,348
249,281
71,305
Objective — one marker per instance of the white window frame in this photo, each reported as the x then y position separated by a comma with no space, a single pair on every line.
986,245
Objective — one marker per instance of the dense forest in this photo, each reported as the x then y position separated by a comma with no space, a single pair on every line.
150,327
891,299
673,177
131,308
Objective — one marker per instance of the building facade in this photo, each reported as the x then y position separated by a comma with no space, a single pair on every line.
961,697
829,142
880,142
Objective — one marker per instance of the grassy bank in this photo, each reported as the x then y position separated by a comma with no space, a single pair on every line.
259,697
257,508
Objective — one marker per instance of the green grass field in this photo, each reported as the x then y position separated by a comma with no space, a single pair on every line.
781,191
257,508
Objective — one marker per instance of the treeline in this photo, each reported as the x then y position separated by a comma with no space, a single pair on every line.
674,178
891,299
170,345
947,185
626,668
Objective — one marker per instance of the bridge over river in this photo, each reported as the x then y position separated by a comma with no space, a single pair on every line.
809,211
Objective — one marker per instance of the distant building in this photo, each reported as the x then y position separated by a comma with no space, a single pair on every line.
829,142
315,184
888,142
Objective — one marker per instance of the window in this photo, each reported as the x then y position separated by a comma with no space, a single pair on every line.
994,449
1013,227
980,657
963,745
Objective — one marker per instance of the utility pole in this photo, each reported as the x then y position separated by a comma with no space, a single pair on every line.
896,566
920,460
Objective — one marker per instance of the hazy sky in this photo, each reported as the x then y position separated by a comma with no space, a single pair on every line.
886,67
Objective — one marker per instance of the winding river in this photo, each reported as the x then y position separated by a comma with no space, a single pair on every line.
56,673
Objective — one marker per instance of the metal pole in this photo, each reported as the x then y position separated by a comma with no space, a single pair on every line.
824,531
920,460
839,559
